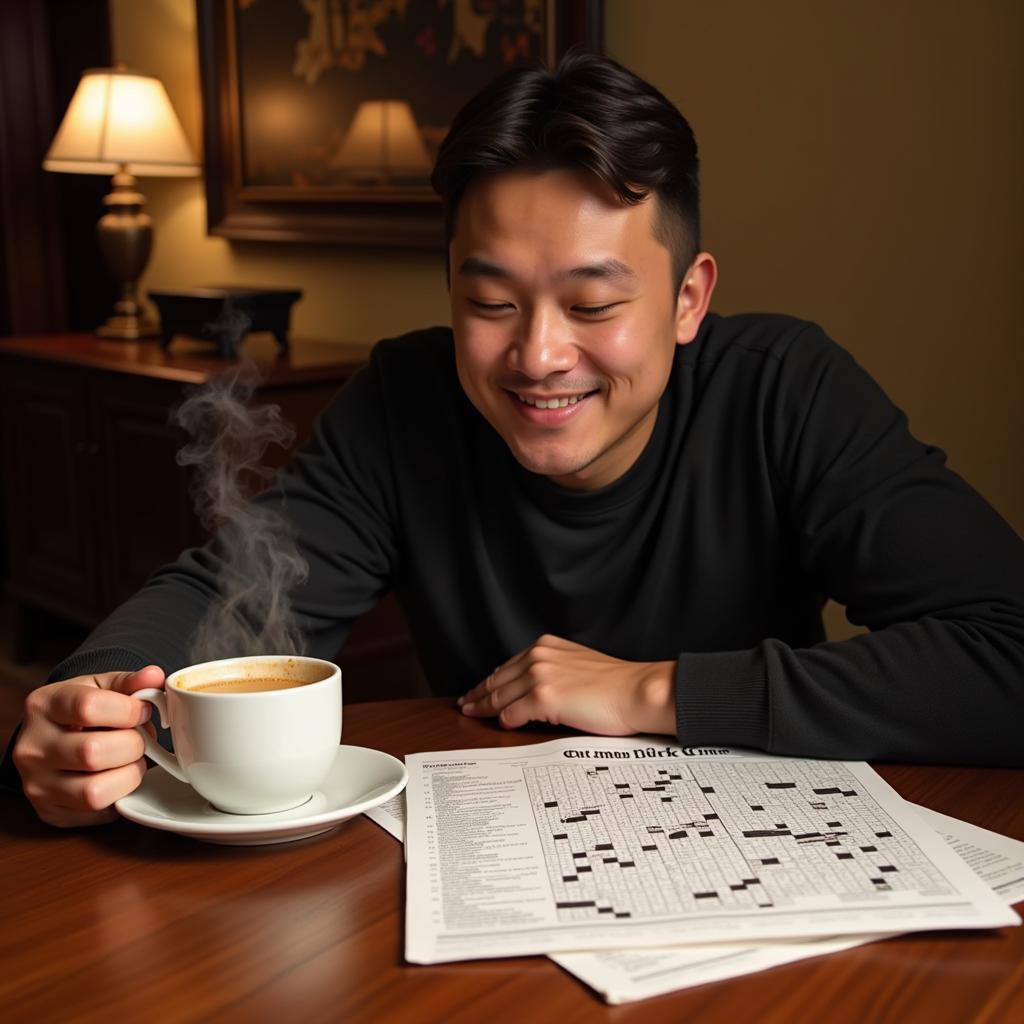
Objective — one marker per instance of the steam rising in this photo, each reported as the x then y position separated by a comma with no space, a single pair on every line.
253,613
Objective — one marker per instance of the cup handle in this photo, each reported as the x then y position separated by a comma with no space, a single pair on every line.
162,757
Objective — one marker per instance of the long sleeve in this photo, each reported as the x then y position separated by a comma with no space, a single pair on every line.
778,474
914,554
335,497
336,500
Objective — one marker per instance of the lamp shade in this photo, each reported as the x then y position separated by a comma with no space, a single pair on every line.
383,141
120,119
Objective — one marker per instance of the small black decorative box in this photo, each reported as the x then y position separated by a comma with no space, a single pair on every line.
225,315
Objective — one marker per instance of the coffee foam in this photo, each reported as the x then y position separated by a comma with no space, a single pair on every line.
246,684
252,676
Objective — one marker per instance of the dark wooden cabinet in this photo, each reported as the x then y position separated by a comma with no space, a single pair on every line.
95,500
47,443
142,507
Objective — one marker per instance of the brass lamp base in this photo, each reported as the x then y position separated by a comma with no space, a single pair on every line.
125,236
128,328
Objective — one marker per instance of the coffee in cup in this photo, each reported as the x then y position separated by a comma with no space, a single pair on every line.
257,684
252,735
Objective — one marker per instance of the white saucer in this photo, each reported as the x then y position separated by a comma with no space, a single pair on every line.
359,779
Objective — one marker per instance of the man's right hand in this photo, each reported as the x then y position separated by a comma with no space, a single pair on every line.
78,750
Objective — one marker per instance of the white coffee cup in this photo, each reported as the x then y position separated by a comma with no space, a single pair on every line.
252,752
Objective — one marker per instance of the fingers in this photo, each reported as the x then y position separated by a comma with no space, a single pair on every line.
483,693
522,700
487,705
46,746
518,692
129,682
95,791
78,751
87,706
565,683
94,751
532,706
70,799
97,701
514,667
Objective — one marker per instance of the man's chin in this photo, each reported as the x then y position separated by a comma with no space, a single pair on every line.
556,466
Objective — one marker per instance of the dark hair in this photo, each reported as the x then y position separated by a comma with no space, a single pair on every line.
589,112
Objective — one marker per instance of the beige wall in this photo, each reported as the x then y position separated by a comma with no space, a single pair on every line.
861,167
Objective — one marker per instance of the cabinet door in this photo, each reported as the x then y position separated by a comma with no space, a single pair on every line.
144,509
48,471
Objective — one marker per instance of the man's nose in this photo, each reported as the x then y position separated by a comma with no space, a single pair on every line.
543,345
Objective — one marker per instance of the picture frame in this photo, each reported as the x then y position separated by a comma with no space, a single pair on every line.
305,184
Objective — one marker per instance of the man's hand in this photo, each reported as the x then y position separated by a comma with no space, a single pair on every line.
564,683
78,751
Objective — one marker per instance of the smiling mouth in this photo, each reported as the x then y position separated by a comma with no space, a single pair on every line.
554,402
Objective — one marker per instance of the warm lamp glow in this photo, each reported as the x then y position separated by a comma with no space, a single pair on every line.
383,142
122,123
120,119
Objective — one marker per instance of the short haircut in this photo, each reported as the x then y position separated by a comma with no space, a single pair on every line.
587,113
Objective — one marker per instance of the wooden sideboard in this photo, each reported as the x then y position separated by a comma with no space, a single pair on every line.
94,498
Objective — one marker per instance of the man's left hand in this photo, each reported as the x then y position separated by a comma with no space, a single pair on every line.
565,683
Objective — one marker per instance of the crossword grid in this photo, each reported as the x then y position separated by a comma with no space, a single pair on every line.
644,841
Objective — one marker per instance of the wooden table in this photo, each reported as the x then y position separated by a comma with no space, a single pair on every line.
123,923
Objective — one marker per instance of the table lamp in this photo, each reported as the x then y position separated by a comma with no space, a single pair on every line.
120,122
383,144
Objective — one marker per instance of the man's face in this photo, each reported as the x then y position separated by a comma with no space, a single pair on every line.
565,321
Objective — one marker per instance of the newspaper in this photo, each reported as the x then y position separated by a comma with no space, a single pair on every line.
610,843
622,976
626,975
390,815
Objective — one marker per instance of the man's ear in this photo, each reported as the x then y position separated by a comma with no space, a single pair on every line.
695,296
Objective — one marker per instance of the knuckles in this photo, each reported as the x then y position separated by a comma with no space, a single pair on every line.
90,752
540,670
95,755
34,793
92,795
35,703
544,694
85,705
24,756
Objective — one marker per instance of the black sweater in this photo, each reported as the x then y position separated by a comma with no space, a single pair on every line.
778,474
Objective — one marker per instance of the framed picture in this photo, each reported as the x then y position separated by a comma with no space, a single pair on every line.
322,118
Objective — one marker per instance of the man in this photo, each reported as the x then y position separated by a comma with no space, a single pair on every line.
599,504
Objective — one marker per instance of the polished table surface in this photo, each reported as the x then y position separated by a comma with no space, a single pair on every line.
121,922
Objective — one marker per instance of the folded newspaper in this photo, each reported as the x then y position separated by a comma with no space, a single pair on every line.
674,866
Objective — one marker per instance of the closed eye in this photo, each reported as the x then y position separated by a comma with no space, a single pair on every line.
490,307
595,310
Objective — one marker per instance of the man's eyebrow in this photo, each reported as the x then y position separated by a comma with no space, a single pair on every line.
477,266
603,270
607,270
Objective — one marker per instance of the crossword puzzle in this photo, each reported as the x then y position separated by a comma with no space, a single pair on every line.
643,841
